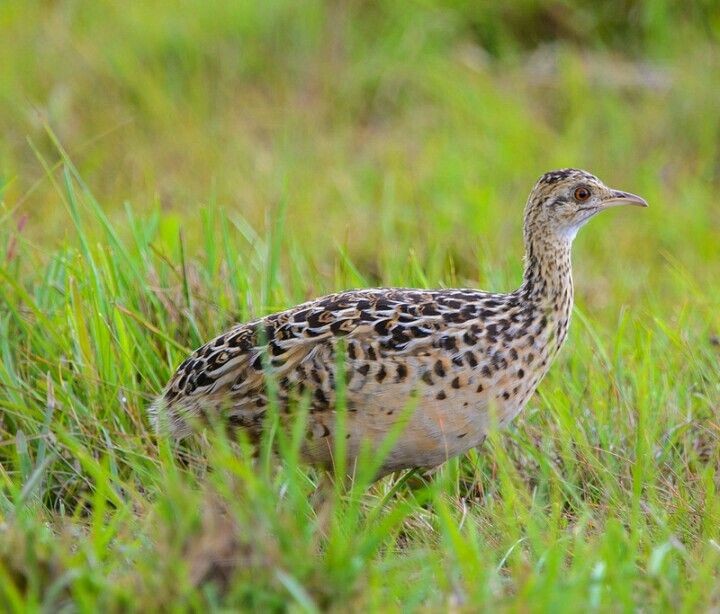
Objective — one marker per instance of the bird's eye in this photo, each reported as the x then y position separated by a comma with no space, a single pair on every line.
581,194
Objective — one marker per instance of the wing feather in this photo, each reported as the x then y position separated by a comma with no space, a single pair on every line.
389,338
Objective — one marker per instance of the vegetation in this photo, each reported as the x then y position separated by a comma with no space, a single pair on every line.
169,168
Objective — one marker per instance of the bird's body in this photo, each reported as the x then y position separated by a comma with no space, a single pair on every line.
448,363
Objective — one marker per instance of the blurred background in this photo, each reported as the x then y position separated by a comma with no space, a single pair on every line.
237,157
388,130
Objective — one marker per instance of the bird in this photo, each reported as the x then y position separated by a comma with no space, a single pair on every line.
439,366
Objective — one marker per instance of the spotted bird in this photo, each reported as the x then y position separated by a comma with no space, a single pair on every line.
448,362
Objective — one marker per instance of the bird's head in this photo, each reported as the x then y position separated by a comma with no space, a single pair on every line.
562,201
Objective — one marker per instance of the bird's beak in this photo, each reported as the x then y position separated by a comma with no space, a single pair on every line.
617,198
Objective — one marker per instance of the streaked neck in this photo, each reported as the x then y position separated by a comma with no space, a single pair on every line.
548,271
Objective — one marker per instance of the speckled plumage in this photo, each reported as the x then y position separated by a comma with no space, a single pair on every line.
447,361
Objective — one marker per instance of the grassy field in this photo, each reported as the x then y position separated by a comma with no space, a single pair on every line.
167,171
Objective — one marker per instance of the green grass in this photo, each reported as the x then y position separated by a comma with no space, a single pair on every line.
165,172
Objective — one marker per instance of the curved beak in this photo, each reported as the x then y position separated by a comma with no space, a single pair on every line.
618,197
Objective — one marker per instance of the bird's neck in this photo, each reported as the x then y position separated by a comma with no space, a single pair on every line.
548,273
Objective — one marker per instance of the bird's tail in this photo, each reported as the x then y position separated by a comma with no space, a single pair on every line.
171,417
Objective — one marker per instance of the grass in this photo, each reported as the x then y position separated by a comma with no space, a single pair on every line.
165,173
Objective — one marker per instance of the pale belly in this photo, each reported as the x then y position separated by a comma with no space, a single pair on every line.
426,433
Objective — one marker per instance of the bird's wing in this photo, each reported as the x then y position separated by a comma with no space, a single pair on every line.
389,336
